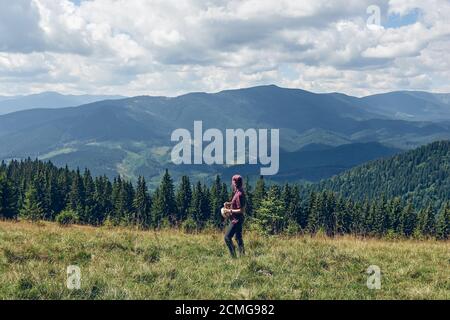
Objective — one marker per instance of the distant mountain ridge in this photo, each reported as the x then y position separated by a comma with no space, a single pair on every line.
410,105
132,136
50,100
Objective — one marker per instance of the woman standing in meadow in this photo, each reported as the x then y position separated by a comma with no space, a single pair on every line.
236,213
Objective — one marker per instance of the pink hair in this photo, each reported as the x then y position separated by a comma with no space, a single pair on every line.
237,181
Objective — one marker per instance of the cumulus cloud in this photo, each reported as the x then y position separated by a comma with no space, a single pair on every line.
169,47
19,27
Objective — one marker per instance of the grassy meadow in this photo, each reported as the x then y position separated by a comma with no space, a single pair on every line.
121,263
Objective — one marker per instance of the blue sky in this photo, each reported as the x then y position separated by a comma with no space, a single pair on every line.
396,20
170,47
76,2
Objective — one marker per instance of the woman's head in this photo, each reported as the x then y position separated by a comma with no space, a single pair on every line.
236,181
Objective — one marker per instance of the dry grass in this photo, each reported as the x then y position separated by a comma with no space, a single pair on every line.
128,264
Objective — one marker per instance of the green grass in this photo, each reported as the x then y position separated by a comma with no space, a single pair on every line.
127,264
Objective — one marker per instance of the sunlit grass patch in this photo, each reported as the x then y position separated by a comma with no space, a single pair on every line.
120,263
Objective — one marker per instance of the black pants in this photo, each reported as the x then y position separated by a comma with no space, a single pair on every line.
235,230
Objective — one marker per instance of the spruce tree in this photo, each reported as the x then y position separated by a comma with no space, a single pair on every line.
32,207
295,207
443,223
157,209
141,204
88,215
64,183
408,220
313,224
286,197
117,201
128,194
216,201
76,196
53,196
330,220
342,224
380,222
270,214
8,198
366,218
395,213
167,198
199,210
184,198
260,193
43,197
249,210
101,201
426,221
226,196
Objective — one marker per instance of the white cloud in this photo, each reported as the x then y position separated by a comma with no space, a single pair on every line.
174,46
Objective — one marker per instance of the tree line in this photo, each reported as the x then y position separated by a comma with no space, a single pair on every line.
36,190
421,176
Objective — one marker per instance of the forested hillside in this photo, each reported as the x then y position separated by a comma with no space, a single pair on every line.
421,176
35,190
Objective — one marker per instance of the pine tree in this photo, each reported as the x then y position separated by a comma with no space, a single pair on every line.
2,194
321,204
342,213
157,209
286,196
42,195
216,201
64,183
128,194
206,205
226,196
32,207
270,214
295,207
408,220
380,216
183,198
313,224
357,217
260,193
167,198
426,219
53,196
141,204
368,218
76,196
395,213
88,214
8,198
117,201
101,200
199,210
443,223
249,208
330,220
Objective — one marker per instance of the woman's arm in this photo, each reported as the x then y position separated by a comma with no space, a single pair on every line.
235,211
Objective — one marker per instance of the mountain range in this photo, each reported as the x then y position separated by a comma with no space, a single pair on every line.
320,134
48,100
